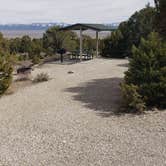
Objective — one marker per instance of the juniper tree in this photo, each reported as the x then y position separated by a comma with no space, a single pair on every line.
147,70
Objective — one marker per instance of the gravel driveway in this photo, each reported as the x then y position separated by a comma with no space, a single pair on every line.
70,121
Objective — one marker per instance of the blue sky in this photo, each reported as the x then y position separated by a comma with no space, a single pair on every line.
68,11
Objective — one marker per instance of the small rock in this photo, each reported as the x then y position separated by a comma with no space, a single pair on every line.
70,72
64,141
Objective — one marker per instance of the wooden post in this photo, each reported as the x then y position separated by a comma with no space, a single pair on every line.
81,43
97,43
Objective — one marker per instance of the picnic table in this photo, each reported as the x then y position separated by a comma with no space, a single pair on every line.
86,55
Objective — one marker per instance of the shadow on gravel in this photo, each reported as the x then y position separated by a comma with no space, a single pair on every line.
124,65
101,95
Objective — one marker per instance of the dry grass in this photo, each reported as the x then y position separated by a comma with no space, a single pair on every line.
41,77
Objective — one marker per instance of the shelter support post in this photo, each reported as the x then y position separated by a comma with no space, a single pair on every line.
97,43
81,43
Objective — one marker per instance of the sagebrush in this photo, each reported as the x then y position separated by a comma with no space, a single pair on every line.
42,77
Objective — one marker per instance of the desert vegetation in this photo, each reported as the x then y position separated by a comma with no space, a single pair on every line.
41,77
53,40
19,50
145,80
147,67
143,40
6,68
129,33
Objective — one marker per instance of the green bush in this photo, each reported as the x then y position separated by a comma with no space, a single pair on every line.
5,72
119,44
147,71
42,77
36,59
133,101
114,46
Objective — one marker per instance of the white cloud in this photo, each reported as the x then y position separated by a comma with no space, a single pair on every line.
70,11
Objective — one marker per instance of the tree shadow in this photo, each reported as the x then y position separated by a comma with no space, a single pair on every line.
124,65
101,95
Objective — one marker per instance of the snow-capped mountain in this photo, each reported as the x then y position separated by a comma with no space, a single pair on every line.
33,26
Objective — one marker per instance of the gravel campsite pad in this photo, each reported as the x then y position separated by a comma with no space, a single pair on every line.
70,121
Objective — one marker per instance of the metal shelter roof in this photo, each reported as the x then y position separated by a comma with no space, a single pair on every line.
96,27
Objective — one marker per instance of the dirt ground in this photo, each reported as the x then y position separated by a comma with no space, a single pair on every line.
70,121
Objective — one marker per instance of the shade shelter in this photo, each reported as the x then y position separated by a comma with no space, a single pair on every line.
95,27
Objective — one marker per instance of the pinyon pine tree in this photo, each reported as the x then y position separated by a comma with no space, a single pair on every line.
147,72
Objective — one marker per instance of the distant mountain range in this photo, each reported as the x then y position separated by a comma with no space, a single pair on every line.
33,26
37,26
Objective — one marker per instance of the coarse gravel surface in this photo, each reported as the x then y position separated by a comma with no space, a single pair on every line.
70,121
